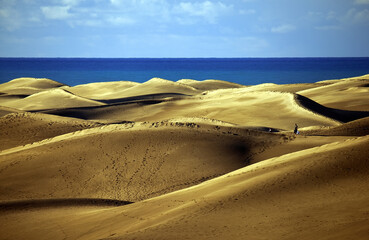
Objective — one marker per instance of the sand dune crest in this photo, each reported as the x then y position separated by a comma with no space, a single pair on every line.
101,90
157,86
51,99
358,127
28,86
208,85
353,94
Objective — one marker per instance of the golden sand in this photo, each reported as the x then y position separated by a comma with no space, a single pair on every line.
184,160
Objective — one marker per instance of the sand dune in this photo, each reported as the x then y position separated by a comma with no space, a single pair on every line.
127,162
21,88
289,196
184,160
6,110
101,90
50,99
19,129
121,89
156,86
28,86
237,106
291,88
353,94
355,128
9,99
208,85
317,193
336,114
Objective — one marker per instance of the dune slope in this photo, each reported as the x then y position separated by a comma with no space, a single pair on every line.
316,193
208,85
101,90
291,88
157,86
127,162
28,86
237,106
18,129
6,110
358,127
346,94
51,99
290,196
336,114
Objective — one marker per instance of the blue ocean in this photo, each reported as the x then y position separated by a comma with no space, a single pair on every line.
247,71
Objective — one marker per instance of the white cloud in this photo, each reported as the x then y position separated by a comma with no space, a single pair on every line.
116,2
139,4
210,11
285,28
106,21
362,16
71,2
328,27
121,20
247,12
88,23
331,15
185,21
335,21
56,12
165,11
4,13
10,19
143,8
361,2
355,16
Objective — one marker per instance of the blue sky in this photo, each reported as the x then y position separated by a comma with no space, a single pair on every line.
184,28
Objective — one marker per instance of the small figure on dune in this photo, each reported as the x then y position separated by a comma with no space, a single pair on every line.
296,131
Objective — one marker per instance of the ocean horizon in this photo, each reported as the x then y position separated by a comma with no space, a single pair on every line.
246,71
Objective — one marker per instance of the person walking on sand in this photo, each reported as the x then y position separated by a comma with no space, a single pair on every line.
296,131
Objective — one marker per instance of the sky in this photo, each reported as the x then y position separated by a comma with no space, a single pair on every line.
184,28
